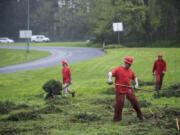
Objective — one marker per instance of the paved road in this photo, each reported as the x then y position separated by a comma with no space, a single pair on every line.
71,54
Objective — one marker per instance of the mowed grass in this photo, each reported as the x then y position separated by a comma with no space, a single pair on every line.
66,44
12,57
89,82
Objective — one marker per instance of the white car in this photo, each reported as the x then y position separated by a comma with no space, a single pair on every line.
87,41
6,40
39,38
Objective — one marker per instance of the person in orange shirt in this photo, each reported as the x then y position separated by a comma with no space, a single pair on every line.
67,79
159,69
123,76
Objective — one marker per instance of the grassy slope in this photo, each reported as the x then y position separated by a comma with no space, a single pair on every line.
89,79
11,57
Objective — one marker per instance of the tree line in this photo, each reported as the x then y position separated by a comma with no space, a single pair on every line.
144,21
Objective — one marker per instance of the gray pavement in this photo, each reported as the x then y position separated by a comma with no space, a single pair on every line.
71,54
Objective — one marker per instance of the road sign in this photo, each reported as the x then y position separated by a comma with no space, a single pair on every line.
25,33
118,26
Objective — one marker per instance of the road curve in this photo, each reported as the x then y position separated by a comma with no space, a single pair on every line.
71,54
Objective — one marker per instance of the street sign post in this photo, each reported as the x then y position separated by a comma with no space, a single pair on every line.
117,27
27,35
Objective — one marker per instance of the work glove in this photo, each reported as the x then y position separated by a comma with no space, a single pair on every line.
110,82
109,78
136,86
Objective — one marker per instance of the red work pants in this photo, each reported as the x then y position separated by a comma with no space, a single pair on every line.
159,80
120,97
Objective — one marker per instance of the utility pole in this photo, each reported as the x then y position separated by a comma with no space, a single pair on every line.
118,37
26,33
117,27
27,49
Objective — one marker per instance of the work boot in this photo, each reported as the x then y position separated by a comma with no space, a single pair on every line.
158,95
73,94
64,97
155,95
116,120
141,118
156,89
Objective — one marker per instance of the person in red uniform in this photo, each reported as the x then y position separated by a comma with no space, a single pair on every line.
67,79
123,76
159,70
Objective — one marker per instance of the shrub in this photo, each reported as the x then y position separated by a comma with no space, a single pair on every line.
86,117
52,85
24,116
6,107
170,43
49,110
172,91
95,45
113,46
59,101
135,44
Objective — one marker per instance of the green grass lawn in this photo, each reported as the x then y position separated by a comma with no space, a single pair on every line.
66,44
12,57
91,111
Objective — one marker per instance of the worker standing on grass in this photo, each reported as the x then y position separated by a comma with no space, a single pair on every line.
123,76
67,79
159,69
